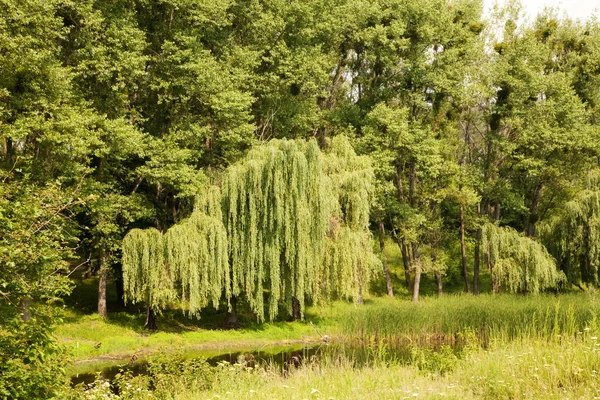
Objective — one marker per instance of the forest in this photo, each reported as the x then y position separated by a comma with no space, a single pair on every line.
397,174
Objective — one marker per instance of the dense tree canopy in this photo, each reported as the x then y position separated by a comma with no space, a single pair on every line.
469,142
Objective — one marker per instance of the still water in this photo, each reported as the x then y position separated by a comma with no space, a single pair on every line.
280,359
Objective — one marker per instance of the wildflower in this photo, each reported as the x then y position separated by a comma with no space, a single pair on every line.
313,391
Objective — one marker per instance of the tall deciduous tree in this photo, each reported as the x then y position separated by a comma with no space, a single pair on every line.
296,223
35,238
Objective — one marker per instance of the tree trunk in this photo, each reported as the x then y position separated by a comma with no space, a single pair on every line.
386,270
476,261
402,242
438,281
405,260
231,319
417,282
150,320
103,275
463,250
296,314
412,184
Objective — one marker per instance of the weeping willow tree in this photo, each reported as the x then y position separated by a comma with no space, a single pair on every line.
518,263
573,235
291,222
146,278
297,224
189,262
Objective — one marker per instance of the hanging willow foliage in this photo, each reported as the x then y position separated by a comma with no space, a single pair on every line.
146,277
191,259
573,236
279,205
519,263
292,222
274,222
196,252
349,263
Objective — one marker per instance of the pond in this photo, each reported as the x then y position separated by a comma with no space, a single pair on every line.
279,358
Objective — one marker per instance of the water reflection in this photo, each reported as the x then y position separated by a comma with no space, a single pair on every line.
281,360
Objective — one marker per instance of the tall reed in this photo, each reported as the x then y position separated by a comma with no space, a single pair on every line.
489,317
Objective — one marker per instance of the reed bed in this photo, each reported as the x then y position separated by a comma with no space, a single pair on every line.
454,318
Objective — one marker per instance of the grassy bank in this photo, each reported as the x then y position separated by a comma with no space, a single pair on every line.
91,337
88,336
524,347
489,317
526,369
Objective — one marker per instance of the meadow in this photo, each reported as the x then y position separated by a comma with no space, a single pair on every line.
454,346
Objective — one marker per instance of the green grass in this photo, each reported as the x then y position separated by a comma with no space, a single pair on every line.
88,336
525,347
117,340
504,317
559,368
490,317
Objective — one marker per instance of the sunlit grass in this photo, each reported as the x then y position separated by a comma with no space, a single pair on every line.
526,347
490,317
93,337
525,369
559,368
504,317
